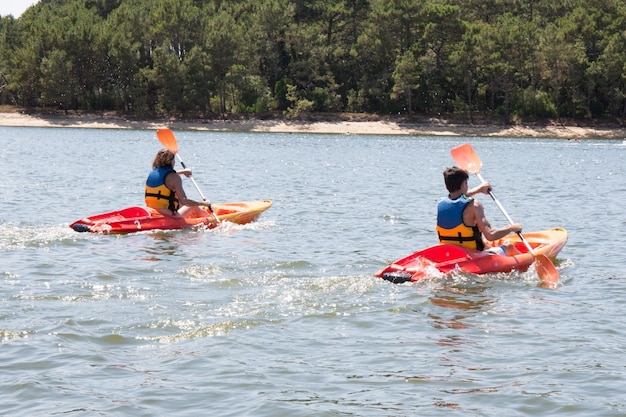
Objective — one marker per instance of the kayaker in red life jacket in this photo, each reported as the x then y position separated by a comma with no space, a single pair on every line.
461,219
165,192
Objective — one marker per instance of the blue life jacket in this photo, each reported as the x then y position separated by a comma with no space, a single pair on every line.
157,195
450,226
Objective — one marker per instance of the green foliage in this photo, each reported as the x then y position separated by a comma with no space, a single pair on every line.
299,104
405,77
534,58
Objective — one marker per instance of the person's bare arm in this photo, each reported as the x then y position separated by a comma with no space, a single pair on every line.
483,224
174,182
484,188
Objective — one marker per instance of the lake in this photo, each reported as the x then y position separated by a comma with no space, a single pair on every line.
283,316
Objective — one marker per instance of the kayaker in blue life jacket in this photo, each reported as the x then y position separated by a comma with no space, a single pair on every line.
461,219
164,187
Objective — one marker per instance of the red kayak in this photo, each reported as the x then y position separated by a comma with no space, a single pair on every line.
447,258
138,218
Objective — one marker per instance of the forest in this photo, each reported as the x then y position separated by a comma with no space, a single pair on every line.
512,59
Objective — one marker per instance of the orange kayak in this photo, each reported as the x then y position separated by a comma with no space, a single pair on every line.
138,218
447,258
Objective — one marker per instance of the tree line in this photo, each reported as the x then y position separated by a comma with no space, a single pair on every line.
206,58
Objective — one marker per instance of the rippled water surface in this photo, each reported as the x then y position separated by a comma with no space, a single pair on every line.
283,317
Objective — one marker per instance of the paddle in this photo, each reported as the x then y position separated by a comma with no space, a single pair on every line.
467,159
167,139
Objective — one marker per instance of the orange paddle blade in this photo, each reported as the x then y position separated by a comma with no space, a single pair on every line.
167,139
546,270
466,158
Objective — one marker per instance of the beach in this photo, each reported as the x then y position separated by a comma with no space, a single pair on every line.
337,124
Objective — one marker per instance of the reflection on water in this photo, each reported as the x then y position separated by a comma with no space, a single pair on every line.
160,245
466,298
457,307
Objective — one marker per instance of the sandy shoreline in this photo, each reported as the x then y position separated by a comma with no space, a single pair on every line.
340,126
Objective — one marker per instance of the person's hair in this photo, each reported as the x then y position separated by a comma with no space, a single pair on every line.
454,178
163,158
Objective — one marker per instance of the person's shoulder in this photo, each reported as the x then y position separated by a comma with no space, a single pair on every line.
465,198
470,201
169,178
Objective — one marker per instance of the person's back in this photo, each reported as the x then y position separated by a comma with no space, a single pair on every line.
450,225
165,192
461,219
157,194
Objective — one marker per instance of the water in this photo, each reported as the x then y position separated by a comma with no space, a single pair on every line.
283,317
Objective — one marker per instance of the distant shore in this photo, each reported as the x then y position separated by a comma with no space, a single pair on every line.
343,124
